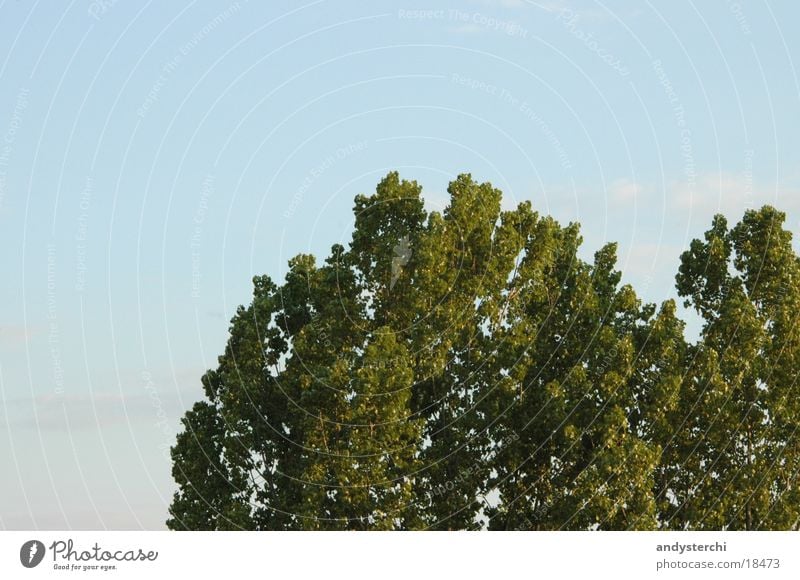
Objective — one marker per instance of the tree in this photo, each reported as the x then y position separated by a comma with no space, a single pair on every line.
734,457
467,369
586,377
345,396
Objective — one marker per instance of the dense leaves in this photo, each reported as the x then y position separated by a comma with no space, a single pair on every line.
466,369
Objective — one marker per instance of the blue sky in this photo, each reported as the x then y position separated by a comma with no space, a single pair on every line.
153,157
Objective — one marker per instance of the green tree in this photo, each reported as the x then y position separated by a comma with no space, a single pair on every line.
586,375
345,397
468,369
734,459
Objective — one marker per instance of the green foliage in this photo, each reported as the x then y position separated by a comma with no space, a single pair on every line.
734,456
466,369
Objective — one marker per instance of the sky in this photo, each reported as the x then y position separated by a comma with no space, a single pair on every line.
155,156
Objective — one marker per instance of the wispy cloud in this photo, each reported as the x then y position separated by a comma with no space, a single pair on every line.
509,3
467,29
625,190
16,334
160,406
730,194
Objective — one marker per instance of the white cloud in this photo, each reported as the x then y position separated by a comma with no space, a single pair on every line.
729,194
547,5
15,334
624,190
507,3
467,29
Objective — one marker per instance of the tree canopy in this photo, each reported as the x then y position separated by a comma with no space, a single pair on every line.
466,369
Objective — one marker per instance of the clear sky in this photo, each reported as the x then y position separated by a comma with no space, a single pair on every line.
154,156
